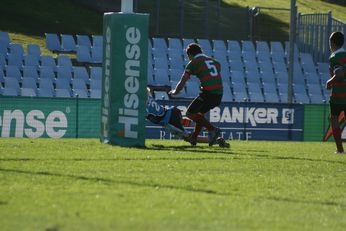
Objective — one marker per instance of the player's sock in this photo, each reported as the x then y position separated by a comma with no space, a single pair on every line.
337,138
204,123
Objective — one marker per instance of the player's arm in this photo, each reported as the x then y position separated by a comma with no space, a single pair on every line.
185,77
338,75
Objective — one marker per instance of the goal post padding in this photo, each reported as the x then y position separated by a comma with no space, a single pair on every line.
124,79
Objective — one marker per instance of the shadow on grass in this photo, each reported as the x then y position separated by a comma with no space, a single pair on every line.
161,186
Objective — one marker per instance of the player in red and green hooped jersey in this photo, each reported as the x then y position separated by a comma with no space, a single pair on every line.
207,70
337,84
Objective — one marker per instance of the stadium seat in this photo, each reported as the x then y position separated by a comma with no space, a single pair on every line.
181,94
8,91
301,98
271,97
250,66
192,89
95,84
276,47
150,76
28,92
62,93
65,61
248,46
5,37
249,56
256,97
269,88
46,86
265,66
2,60
13,72
240,96
175,44
278,58
306,58
161,76
252,77
283,88
159,43
267,77
81,73
68,43
205,45
280,67
29,82
62,83
262,46
233,46
175,53
282,77
95,73
83,40
312,78
317,98
254,87
95,93
263,57
175,74
3,49
83,54
237,77
2,75
97,40
296,51
236,65
187,41
314,89
33,49
47,60
45,92
300,89
47,72
323,67
219,45
227,93
17,49
12,83
161,63
64,72
52,42
80,93
15,60
234,56
31,60
220,55
176,62
96,54
78,84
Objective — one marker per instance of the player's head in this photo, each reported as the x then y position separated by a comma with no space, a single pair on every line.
192,50
336,40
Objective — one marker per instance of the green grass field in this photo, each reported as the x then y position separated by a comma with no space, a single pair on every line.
80,184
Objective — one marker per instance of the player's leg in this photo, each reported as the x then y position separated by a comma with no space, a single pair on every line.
335,111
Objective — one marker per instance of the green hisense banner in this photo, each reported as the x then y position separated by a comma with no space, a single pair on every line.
49,117
124,79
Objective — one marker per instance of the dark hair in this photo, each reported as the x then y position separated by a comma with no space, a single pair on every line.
193,49
337,38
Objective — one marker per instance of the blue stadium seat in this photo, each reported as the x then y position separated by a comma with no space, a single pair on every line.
15,60
5,37
236,65
46,85
175,74
83,40
47,60
219,45
2,60
80,72
45,92
323,67
83,54
262,47
187,41
265,66
95,93
64,72
269,88
267,77
238,77
240,96
62,93
250,66
97,40
2,75
283,88
52,42
317,98
192,89
95,84
176,62
175,44
301,98
278,57
161,76
29,82
31,60
252,76
276,47
17,49
68,44
263,57
78,84
62,84
12,83
8,91
33,49
280,67
161,63
300,89
282,77
312,78
96,54
249,56
314,89
159,43
253,87
234,56
95,73
248,46
28,92
3,49
233,46
80,93
175,53
65,61
181,94
220,55
47,72
13,72
271,97
205,45
256,97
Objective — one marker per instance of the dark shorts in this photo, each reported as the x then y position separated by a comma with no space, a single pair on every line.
204,103
336,109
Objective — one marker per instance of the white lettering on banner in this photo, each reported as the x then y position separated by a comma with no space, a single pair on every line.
129,114
55,125
107,73
251,115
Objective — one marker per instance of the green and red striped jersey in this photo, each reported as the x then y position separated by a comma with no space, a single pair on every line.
337,62
207,70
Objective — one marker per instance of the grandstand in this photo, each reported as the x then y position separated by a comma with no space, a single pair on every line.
251,71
